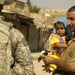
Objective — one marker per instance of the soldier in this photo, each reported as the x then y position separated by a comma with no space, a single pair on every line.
15,58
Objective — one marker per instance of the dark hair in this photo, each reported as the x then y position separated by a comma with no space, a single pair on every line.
67,36
71,9
58,22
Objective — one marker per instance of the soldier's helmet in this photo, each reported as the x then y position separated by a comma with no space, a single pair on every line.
5,2
15,6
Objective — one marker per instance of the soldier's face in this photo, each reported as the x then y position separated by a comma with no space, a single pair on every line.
71,20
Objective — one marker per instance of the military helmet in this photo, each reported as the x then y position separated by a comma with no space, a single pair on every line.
5,2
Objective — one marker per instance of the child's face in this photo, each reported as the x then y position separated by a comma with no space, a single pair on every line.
60,29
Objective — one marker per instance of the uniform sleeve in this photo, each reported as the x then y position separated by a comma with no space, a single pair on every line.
23,59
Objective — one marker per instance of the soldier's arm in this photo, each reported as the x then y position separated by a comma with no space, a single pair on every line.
23,60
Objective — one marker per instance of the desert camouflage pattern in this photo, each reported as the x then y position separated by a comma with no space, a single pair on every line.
15,57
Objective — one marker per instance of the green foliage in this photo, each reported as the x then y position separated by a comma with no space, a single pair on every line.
33,9
28,2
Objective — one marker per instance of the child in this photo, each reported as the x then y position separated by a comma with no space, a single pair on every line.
59,39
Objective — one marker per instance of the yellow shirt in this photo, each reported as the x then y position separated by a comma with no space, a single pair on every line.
53,39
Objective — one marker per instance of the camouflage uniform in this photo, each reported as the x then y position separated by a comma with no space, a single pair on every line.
23,60
15,58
